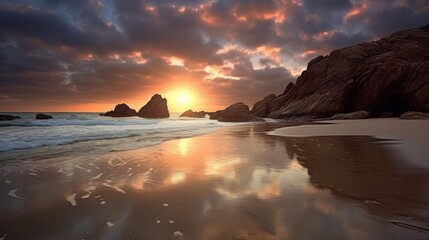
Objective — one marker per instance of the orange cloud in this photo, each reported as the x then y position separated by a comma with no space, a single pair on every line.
357,9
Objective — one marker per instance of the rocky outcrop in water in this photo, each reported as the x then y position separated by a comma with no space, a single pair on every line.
388,75
192,114
42,116
8,117
121,110
155,108
238,112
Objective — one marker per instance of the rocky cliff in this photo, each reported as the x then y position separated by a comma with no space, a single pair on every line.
387,75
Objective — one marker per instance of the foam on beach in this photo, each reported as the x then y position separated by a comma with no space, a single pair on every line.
114,187
12,193
71,199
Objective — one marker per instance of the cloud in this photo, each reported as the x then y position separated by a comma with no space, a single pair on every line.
72,52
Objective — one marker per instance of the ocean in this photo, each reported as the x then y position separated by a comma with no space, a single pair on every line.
91,132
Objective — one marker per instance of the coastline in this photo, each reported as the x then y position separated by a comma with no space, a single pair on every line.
268,187
412,135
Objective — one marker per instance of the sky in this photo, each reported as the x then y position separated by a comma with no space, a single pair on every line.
88,55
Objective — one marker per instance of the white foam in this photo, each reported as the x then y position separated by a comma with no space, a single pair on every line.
158,221
7,181
165,204
89,190
103,202
30,133
178,235
98,176
110,224
12,193
71,199
33,174
114,187
170,221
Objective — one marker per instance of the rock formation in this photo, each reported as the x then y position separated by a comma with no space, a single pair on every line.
155,108
238,112
121,110
8,117
192,114
260,108
353,115
388,75
415,115
42,116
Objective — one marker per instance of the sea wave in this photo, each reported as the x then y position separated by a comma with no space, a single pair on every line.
28,133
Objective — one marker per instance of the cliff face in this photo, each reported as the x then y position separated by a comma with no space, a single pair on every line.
388,75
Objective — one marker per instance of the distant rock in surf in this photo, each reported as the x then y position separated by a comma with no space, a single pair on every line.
8,117
42,116
354,115
192,114
387,75
155,108
415,115
121,110
238,112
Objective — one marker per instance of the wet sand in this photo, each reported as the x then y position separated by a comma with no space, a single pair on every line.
236,183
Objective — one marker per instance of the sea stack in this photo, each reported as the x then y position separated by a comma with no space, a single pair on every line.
121,110
8,117
155,108
41,116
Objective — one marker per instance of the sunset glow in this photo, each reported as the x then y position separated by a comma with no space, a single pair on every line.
180,100
108,52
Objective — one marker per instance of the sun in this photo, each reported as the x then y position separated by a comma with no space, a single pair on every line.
180,100
183,98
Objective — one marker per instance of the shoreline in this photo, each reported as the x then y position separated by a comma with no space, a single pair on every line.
268,187
412,135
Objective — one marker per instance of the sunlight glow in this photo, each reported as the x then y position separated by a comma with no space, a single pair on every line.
180,100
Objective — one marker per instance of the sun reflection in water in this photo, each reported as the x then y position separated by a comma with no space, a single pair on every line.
183,146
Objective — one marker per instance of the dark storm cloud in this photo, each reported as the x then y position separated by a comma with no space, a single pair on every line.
382,22
326,5
94,50
26,22
164,30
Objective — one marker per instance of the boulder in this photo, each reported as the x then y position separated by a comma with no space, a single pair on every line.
192,114
8,117
121,110
387,75
155,108
42,116
260,108
238,112
353,115
414,115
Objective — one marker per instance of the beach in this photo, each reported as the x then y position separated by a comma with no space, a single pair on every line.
247,181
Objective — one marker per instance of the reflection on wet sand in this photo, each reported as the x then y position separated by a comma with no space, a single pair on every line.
237,183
